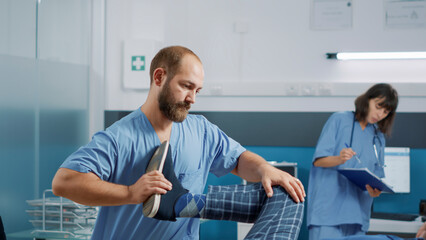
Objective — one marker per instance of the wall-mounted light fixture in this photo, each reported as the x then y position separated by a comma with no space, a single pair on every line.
375,55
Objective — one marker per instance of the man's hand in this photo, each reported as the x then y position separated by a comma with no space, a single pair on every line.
89,189
272,176
373,192
254,168
150,183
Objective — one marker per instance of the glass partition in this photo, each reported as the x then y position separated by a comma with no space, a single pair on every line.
18,84
44,76
63,62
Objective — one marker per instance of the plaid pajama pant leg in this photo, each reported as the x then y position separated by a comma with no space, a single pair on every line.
278,217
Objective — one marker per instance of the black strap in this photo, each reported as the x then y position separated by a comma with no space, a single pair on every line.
2,233
352,132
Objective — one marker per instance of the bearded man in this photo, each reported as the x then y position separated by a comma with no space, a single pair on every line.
111,170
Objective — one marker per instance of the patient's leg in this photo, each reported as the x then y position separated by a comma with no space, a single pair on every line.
278,217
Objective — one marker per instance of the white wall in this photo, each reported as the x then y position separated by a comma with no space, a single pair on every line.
278,64
64,29
17,28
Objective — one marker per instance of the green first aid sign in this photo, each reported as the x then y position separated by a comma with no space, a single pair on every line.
138,63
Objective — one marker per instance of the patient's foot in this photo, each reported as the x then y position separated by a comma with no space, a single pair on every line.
162,206
190,205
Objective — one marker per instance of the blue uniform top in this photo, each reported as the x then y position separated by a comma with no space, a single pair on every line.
121,153
332,199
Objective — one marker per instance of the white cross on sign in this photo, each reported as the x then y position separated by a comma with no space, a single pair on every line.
138,63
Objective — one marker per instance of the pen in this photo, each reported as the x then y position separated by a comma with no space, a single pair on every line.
375,152
356,157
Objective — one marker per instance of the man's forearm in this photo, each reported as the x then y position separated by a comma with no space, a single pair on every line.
89,189
250,166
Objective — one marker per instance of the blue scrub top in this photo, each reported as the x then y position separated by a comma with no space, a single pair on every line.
121,153
332,199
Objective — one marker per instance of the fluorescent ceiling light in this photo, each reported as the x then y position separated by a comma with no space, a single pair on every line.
376,55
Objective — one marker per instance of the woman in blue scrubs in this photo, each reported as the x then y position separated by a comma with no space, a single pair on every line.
336,206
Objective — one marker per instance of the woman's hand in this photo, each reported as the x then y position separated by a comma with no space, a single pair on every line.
346,154
373,192
332,161
422,231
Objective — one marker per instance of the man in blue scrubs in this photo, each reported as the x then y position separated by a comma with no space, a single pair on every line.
110,170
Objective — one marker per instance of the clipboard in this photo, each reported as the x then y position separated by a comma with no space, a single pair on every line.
363,176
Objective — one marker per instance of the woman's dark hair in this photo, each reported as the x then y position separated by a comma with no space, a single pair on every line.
390,103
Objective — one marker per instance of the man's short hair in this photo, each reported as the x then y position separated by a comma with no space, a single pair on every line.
169,58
